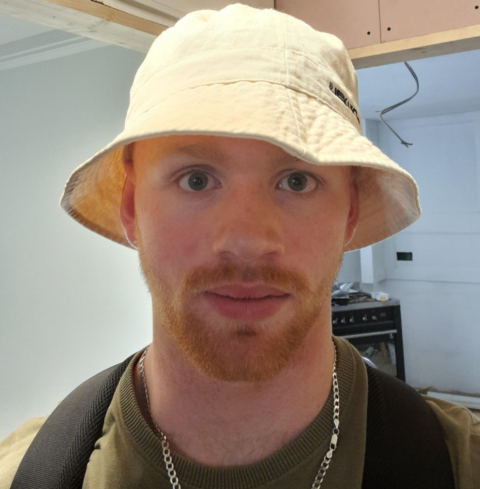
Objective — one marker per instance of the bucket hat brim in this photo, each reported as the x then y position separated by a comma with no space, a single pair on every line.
299,123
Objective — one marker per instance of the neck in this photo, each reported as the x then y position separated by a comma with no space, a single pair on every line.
221,424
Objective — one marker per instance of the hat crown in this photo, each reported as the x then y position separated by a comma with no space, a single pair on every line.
244,43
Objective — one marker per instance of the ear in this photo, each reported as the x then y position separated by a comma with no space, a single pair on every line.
127,204
354,211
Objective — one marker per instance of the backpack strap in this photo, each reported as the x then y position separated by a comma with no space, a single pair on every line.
405,447
58,456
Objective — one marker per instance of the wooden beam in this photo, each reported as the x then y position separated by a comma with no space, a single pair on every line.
89,19
109,14
437,44
94,20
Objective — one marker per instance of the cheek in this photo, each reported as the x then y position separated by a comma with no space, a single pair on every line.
170,237
315,241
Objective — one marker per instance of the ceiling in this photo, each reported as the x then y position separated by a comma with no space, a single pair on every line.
12,29
23,43
448,84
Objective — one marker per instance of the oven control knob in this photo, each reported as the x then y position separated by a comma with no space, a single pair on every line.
335,321
374,318
352,319
365,317
343,320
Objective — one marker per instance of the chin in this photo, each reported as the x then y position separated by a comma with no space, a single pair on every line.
235,351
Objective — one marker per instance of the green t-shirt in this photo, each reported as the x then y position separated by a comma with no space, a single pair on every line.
128,454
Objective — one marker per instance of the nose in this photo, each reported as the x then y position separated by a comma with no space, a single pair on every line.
248,226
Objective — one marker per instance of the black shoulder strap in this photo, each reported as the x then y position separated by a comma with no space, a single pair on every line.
405,446
59,454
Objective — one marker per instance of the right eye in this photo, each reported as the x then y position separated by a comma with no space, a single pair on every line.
196,181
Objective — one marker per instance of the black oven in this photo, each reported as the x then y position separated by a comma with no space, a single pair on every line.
375,329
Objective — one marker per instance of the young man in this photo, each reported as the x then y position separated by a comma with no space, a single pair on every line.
241,178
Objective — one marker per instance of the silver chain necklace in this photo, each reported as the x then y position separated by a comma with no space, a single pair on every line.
167,456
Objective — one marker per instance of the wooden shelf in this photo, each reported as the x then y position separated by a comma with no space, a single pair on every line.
437,44
97,21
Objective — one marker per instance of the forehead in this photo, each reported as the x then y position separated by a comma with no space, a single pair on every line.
214,148
221,150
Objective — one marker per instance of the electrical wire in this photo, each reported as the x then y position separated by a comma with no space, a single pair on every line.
388,109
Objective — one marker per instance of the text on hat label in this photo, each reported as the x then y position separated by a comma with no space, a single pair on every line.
336,91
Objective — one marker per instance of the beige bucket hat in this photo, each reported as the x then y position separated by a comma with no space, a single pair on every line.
249,73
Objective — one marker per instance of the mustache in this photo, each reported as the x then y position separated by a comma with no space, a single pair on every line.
203,278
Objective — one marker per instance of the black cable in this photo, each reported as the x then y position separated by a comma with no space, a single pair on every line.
388,109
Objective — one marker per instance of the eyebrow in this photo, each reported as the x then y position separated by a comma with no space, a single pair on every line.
214,153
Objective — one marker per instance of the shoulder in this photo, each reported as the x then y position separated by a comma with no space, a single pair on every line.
13,448
461,430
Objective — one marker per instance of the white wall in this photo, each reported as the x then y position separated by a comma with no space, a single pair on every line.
350,270
72,303
440,289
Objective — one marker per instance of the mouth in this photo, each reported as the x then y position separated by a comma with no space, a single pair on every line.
246,302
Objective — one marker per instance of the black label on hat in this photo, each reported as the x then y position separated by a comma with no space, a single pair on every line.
336,91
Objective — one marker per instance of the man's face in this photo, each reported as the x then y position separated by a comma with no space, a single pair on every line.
239,243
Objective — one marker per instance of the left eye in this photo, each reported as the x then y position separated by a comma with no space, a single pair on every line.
298,182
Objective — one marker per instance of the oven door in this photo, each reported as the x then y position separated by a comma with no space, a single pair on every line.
383,349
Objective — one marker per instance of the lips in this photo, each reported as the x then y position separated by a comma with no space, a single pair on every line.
247,292
246,302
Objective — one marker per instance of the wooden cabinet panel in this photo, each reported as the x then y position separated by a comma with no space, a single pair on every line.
401,19
355,22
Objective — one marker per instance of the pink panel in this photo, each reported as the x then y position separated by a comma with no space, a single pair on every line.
401,19
355,22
